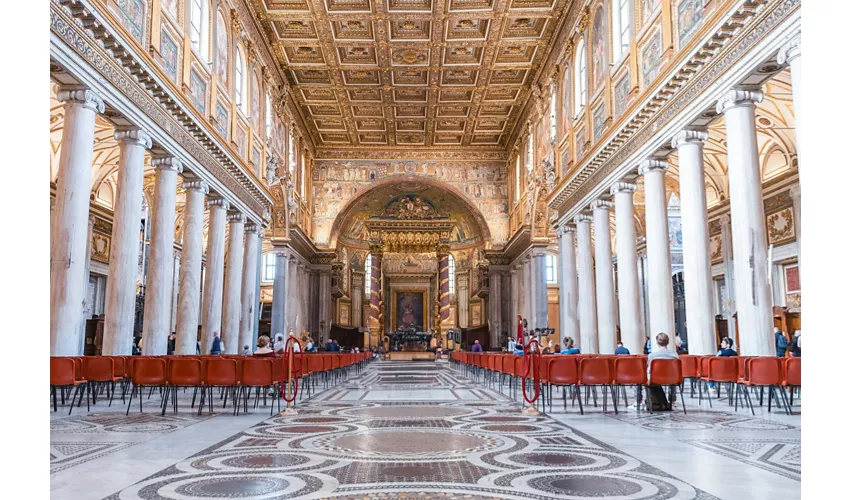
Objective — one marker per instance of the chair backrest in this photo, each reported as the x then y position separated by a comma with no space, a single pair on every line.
545,361
563,370
78,367
220,371
764,370
98,368
257,372
704,364
723,369
327,362
594,371
793,371
665,372
118,368
184,372
690,365
629,370
335,361
61,371
149,371
743,366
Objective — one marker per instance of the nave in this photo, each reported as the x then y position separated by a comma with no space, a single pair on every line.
423,430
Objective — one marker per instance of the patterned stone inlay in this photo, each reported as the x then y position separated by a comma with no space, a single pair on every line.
407,442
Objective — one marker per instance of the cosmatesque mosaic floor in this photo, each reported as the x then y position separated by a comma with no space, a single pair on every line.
420,430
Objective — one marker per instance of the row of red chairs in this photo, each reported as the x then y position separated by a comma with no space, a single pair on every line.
611,371
236,373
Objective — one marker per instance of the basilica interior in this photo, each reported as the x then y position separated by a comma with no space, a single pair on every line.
387,197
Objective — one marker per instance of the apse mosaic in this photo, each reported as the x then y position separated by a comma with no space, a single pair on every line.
475,187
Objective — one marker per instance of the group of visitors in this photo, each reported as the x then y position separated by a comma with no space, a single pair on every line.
783,346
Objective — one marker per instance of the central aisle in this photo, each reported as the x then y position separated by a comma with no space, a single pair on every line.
410,430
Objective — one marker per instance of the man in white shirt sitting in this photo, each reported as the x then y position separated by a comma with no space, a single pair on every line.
663,352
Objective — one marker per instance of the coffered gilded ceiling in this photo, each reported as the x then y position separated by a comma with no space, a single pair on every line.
407,74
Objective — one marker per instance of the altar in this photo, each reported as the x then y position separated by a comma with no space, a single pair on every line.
407,343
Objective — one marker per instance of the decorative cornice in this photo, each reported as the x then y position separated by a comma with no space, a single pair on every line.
652,165
134,137
623,187
466,154
89,99
167,164
791,50
736,98
689,136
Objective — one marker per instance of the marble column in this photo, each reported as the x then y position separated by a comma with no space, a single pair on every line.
515,298
280,289
357,299
588,335
175,286
660,276
189,295
124,250
462,287
293,285
795,193
495,305
728,275
567,285
528,291
642,287
70,221
790,54
631,326
699,287
87,307
606,318
249,300
214,280
443,280
325,297
541,296
160,276
749,235
232,301
376,318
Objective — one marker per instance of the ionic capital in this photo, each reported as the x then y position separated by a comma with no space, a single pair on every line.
725,220
219,203
197,185
736,98
564,229
236,218
134,137
89,99
795,193
601,205
790,51
689,136
582,219
261,233
251,228
623,187
282,251
652,165
168,164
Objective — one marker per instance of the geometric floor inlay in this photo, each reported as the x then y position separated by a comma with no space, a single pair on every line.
697,420
780,456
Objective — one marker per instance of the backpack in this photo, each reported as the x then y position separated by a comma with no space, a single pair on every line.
781,341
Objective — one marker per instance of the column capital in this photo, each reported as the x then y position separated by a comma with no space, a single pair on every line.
282,251
652,165
168,164
261,233
197,185
737,98
795,192
134,137
564,229
623,187
88,98
790,51
251,228
236,218
218,202
582,218
725,220
689,136
601,204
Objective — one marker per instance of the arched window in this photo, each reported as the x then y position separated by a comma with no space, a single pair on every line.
268,116
367,269
239,82
451,274
622,27
199,27
268,266
551,263
581,77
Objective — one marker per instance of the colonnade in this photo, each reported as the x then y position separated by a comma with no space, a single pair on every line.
592,309
229,295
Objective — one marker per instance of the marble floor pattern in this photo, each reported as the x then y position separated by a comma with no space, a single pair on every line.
423,430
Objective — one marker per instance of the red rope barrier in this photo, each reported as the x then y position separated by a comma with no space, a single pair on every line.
532,357
289,357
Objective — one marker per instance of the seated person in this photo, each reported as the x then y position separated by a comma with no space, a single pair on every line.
659,399
476,347
569,347
795,344
246,350
263,349
726,348
621,349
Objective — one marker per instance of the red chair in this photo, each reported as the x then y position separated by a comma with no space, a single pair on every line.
593,372
220,372
62,376
763,371
258,374
629,371
690,369
666,372
100,371
720,369
563,371
148,371
793,375
183,372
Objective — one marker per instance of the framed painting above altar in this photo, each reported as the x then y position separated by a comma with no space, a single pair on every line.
409,309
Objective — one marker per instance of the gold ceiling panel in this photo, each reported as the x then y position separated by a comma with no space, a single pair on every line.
382,74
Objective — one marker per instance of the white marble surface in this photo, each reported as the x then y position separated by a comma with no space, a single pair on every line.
189,295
